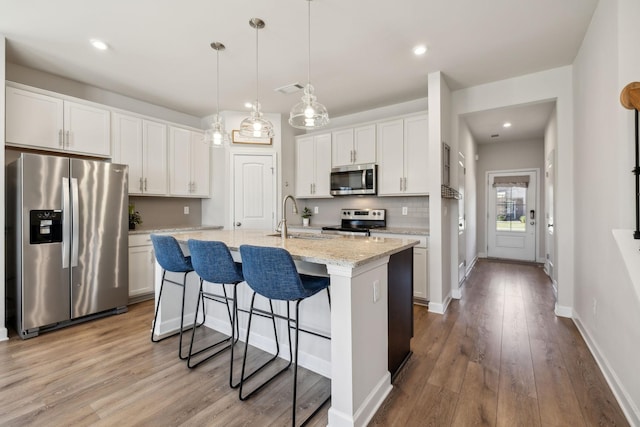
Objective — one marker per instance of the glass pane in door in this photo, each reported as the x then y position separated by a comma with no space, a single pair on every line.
511,208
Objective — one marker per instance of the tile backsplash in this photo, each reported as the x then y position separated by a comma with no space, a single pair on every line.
329,209
161,212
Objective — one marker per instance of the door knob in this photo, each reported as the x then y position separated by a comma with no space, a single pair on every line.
238,224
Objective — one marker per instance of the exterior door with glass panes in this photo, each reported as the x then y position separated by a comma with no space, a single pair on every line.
512,215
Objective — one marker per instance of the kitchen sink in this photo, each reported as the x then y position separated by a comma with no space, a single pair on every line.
307,236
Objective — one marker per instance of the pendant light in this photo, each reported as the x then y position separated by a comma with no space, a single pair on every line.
216,135
308,114
256,126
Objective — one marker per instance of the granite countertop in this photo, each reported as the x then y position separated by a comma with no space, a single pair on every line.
347,251
174,229
389,230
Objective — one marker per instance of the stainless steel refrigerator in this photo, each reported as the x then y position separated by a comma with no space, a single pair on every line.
67,227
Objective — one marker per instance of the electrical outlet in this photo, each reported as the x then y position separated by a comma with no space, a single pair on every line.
405,210
315,210
376,290
186,210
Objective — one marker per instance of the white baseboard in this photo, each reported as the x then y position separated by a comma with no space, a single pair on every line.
4,334
440,308
457,293
472,264
482,254
367,409
563,311
624,400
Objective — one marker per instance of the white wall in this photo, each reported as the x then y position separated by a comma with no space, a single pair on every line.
550,144
3,328
218,209
440,210
468,147
606,305
502,156
42,80
555,84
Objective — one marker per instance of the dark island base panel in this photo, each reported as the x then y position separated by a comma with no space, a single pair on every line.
400,301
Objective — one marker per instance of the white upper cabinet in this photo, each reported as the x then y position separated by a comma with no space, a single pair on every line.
403,149
354,146
313,166
42,121
189,163
141,144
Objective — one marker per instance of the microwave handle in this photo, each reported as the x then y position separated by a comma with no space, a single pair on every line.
364,179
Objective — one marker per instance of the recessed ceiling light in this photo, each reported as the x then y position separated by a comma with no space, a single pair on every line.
506,125
99,44
419,50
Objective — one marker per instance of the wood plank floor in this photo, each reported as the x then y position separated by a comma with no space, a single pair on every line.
498,357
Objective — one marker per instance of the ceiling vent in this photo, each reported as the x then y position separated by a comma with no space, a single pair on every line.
290,88
495,135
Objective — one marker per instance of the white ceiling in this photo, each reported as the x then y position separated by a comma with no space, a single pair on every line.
361,49
528,122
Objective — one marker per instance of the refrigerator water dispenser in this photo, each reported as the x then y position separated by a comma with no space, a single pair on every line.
46,226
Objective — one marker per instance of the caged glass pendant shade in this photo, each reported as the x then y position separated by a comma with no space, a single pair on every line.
309,113
216,135
256,126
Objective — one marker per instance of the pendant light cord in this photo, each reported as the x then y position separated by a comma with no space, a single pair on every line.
217,84
257,48
309,41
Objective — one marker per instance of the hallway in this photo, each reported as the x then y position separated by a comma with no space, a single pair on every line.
500,356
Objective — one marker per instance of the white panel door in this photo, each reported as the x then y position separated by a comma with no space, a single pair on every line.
511,224
364,144
253,188
322,181
342,148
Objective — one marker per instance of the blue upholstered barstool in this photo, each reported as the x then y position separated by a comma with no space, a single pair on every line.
272,273
171,258
213,262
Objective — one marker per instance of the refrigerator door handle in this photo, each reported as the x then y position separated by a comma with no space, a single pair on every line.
75,222
66,223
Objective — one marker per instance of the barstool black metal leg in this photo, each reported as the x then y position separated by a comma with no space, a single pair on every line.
155,316
184,296
193,334
243,378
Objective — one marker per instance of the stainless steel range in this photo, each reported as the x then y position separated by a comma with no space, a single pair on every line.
358,222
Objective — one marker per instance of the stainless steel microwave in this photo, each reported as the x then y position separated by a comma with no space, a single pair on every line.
354,179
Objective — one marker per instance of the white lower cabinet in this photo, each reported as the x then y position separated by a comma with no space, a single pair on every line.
141,267
420,264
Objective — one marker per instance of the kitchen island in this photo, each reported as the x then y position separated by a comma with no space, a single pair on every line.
356,358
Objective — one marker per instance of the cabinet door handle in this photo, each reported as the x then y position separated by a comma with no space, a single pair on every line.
145,184
354,156
400,183
404,187
60,138
66,134
194,187
141,185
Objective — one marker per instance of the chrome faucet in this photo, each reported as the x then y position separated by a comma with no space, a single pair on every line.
282,226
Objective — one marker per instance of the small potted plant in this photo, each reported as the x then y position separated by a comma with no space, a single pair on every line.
134,217
306,215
